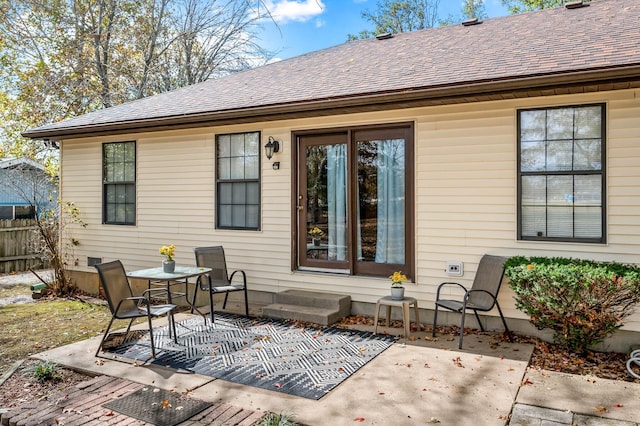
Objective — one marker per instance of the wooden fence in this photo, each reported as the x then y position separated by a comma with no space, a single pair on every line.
15,253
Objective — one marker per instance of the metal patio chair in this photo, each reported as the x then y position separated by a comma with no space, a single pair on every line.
482,296
218,280
124,305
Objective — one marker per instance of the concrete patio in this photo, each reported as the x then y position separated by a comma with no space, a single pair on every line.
417,381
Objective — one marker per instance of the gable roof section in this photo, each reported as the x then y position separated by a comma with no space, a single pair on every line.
501,57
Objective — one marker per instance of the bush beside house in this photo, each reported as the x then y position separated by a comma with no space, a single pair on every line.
581,301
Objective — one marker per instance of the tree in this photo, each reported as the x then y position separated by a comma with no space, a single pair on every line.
470,9
519,6
399,16
64,58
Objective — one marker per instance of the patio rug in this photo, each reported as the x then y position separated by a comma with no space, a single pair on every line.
269,354
157,406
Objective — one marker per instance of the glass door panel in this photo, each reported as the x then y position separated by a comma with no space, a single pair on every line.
322,201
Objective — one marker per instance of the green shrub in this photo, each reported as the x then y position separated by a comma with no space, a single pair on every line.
45,371
581,301
277,419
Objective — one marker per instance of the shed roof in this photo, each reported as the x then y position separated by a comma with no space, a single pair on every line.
587,48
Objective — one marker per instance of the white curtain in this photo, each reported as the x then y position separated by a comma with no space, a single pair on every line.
391,202
337,201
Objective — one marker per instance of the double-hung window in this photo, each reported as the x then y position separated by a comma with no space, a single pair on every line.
119,183
561,172
238,181
355,200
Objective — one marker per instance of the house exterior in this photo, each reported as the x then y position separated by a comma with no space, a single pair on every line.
24,188
518,135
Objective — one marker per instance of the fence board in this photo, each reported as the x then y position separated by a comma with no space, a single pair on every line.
15,253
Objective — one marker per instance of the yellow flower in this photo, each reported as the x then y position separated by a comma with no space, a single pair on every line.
397,278
316,232
530,266
168,251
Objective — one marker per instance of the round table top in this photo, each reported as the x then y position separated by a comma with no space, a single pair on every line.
387,300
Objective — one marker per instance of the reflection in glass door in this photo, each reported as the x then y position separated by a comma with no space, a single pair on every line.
323,206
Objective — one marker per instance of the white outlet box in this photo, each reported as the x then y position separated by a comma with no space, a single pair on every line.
454,268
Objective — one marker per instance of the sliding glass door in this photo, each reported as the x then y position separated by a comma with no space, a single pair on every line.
354,207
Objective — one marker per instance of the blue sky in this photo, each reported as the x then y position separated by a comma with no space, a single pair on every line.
308,25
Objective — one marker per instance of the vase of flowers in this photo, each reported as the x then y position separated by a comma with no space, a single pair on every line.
168,265
316,234
397,290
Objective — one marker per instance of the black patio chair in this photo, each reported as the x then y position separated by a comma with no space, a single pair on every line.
482,296
124,305
218,280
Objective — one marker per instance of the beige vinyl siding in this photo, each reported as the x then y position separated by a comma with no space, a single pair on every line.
465,186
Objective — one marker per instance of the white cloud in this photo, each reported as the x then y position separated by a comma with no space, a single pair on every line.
291,10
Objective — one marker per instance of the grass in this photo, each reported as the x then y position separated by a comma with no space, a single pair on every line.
31,328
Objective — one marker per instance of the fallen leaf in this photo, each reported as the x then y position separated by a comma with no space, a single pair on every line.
109,414
618,405
600,409
526,381
457,362
359,419
433,420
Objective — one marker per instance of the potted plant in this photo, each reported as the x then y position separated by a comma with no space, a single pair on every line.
316,233
168,265
397,290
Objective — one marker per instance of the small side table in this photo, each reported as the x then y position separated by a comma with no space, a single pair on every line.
405,304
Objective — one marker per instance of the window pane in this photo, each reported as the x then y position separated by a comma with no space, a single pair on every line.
237,168
588,190
238,219
559,190
253,193
6,212
253,216
534,221
239,193
252,167
588,222
224,146
327,202
532,125
224,168
533,156
560,123
559,155
224,216
25,212
587,155
224,193
588,122
560,222
381,178
237,145
130,213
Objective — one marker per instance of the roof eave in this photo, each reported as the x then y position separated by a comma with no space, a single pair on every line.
361,102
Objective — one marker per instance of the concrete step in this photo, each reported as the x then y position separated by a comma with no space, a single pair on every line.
311,306
312,314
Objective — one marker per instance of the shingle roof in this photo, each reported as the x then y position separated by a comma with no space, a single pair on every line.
601,41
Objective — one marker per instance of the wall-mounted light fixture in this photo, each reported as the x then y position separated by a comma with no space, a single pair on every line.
272,146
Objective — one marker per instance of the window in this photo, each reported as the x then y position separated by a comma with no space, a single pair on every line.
238,181
355,203
119,183
17,212
25,212
561,187
6,212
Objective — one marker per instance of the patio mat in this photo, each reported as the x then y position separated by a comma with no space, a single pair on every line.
157,406
269,354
